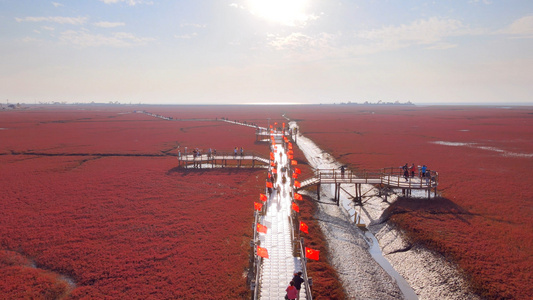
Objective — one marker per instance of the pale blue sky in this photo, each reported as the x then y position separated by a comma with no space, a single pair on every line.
264,51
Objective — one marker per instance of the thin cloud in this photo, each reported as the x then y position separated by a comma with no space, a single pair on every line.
129,2
104,24
56,4
433,33
84,38
59,20
521,28
186,36
195,25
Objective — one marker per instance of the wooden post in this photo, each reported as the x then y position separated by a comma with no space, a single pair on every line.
318,190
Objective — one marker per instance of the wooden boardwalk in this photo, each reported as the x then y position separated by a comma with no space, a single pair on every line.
388,177
222,161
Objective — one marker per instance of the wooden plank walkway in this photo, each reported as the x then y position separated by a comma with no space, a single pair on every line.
223,160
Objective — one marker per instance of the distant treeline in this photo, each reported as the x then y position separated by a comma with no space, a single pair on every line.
378,103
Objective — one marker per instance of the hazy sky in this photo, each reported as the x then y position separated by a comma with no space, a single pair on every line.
263,51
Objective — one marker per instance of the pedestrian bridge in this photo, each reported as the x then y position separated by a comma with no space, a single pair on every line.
388,177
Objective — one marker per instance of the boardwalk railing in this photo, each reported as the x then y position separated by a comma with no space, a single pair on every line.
307,280
387,177
393,177
220,158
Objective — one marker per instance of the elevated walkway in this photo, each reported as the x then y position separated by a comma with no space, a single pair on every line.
250,160
388,177
277,271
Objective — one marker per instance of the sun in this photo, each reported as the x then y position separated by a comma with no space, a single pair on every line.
285,12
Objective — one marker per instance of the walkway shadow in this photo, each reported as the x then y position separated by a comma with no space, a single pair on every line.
436,206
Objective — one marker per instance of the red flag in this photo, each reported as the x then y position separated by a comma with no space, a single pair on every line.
295,207
290,152
303,227
297,184
269,184
261,228
297,171
263,197
298,197
294,175
294,163
290,156
262,252
283,125
311,253
272,156
270,126
275,171
258,206
269,175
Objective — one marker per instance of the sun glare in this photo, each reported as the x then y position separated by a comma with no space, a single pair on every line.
285,12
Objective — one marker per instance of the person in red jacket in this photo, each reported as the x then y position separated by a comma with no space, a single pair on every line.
292,292
298,280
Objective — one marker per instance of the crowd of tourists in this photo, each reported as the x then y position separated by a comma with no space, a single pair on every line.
411,171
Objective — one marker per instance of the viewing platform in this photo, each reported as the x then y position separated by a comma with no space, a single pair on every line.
223,160
387,177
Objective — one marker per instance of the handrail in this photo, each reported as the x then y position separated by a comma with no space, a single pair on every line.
250,155
303,259
257,260
388,176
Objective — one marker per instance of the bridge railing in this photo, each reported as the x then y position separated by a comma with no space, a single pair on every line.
204,155
389,176
256,267
347,175
307,280
395,176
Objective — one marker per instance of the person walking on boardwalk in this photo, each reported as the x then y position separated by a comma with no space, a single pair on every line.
423,171
242,152
292,292
298,280
413,170
235,152
342,171
405,169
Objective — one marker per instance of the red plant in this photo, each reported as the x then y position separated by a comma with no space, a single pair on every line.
483,156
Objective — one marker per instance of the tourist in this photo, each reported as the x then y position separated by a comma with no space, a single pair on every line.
428,176
242,152
413,170
235,152
342,171
298,280
423,171
405,169
292,292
